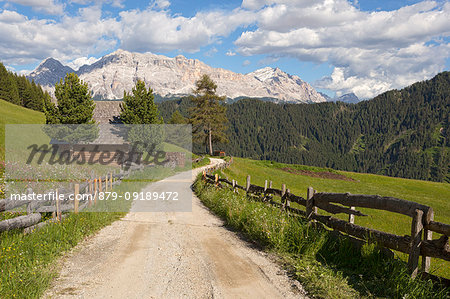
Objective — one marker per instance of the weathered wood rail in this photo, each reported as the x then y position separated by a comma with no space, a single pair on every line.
35,209
419,243
93,186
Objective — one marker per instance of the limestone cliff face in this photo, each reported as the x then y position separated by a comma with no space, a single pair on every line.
117,72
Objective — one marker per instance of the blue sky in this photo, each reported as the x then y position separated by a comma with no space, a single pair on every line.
338,46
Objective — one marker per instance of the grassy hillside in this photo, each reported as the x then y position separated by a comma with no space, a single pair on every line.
403,133
298,178
13,114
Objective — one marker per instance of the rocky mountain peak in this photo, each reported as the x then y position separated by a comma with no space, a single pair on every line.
50,71
118,71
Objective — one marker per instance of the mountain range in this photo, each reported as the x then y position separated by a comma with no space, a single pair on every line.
169,77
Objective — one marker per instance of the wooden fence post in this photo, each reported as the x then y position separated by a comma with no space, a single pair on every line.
286,200
100,187
75,200
416,239
351,217
265,190
30,203
233,186
427,236
310,208
111,180
91,192
247,187
53,203
106,183
283,195
58,208
95,191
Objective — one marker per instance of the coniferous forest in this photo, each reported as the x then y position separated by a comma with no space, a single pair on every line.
402,133
20,91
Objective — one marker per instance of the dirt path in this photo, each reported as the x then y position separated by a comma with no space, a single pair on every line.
170,255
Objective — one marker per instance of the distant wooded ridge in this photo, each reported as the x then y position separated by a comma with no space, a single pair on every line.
403,133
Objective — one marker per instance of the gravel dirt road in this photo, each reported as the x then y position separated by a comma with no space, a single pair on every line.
170,255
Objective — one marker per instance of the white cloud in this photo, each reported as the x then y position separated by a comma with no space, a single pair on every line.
161,4
371,52
246,62
89,32
160,31
26,40
114,3
211,52
78,62
48,6
25,72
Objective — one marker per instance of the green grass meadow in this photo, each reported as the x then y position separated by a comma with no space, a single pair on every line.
13,114
326,266
436,195
27,262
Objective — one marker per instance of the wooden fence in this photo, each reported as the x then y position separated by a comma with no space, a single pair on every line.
419,243
32,221
35,209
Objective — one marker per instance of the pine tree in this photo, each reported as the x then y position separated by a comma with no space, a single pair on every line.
75,104
75,111
208,117
177,118
139,106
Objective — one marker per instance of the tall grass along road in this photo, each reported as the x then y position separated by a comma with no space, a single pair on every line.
170,255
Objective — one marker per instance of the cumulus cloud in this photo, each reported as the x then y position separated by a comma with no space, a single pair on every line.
88,32
78,62
47,6
161,31
114,3
371,51
211,52
161,4
25,40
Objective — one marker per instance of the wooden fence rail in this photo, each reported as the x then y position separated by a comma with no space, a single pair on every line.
35,208
93,186
419,243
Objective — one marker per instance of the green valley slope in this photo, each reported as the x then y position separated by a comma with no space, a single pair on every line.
402,133
13,114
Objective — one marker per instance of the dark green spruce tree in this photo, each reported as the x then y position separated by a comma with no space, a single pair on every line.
138,107
140,112
74,103
8,86
74,110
